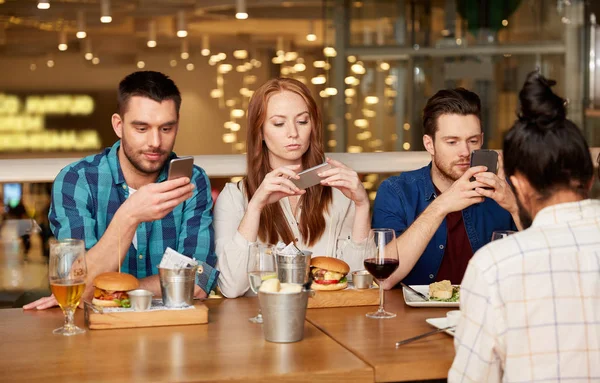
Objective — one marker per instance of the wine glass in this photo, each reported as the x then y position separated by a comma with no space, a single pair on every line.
67,272
501,234
381,260
262,265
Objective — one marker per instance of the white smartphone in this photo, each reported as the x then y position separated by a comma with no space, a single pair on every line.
309,177
181,167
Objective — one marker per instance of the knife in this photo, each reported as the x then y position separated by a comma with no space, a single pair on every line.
421,295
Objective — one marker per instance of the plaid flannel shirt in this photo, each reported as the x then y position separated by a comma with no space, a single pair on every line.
531,303
87,194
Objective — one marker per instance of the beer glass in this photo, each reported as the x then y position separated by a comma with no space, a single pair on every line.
67,272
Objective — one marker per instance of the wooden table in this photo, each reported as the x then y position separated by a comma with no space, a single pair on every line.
373,340
228,348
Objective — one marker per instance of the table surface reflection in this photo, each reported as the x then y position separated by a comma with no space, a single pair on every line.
228,348
373,340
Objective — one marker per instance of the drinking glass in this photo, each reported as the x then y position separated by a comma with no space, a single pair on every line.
381,260
501,234
262,265
67,272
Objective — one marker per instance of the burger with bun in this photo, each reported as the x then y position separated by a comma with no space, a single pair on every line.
329,273
111,289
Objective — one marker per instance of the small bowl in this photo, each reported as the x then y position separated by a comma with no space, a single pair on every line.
362,279
452,317
140,299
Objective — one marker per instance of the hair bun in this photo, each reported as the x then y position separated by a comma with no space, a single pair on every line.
539,104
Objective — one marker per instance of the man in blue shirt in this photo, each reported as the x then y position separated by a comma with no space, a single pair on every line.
121,203
440,217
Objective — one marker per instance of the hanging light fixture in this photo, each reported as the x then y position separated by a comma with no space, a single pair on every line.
81,33
62,41
240,10
185,49
151,34
43,4
105,16
311,36
181,24
205,46
88,50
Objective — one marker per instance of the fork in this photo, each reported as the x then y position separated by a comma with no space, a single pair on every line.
405,341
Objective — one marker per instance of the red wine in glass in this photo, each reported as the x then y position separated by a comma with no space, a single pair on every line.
381,269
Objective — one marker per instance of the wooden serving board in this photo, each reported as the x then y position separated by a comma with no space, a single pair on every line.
156,317
348,297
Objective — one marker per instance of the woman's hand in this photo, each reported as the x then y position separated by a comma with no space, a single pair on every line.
276,185
345,180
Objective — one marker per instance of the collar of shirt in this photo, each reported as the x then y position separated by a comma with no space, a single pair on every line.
117,172
567,212
429,188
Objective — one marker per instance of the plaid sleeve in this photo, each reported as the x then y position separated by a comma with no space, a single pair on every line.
197,234
71,208
476,340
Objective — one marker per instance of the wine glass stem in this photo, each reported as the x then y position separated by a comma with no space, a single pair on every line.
381,296
69,318
259,315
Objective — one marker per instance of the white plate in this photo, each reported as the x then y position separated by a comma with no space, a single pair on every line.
440,323
414,300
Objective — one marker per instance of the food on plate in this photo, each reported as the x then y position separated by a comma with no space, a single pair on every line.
329,273
443,291
270,286
111,289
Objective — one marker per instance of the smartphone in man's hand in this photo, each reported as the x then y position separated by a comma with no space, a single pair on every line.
181,167
485,157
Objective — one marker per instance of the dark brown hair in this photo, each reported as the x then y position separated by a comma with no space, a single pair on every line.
544,145
315,202
153,85
449,101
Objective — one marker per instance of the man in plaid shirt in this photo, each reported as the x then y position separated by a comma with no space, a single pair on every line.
121,203
531,301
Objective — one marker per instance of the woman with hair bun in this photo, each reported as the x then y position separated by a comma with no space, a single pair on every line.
529,302
284,138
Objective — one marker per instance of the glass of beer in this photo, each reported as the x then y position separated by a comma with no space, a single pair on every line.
67,272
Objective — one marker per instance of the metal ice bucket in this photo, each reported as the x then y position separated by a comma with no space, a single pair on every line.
293,268
177,286
283,315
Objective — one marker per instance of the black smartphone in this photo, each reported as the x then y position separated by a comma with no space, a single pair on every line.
485,157
181,167
309,177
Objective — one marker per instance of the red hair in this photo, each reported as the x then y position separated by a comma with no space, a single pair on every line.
315,202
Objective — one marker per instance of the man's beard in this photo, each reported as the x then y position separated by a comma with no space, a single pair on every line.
136,159
446,171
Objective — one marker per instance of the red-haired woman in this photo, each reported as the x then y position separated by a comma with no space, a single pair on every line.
285,137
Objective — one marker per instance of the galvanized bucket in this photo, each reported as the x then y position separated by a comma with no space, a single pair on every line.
283,316
177,286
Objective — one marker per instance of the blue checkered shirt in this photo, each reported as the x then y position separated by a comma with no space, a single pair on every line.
87,194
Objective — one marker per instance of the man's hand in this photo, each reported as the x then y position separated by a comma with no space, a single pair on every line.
42,303
500,190
154,201
461,194
199,293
